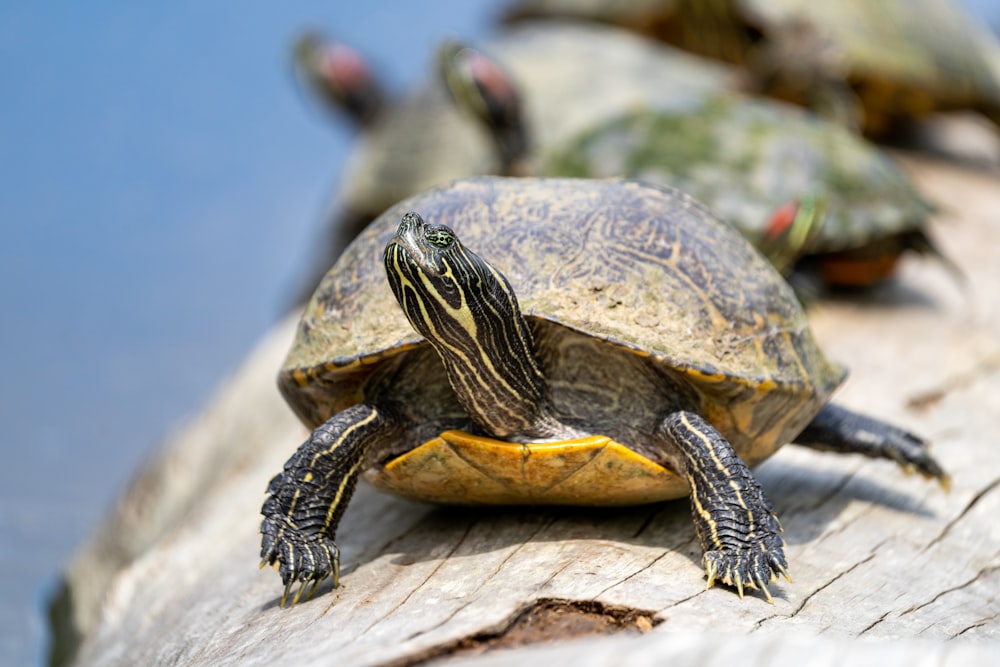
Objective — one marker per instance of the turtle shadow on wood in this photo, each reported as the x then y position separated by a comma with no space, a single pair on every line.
807,501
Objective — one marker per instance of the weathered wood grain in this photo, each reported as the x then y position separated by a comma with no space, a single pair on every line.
874,554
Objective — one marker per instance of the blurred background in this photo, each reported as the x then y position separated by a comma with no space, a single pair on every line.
161,183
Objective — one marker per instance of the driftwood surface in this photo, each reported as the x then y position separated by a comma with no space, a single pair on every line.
874,554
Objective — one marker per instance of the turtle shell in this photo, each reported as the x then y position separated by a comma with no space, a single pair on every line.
745,158
647,270
902,58
570,77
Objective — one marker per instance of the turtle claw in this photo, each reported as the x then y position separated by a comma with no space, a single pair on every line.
298,557
752,565
310,585
779,567
711,573
762,586
945,482
284,596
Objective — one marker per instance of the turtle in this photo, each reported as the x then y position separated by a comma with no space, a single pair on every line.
875,64
811,196
568,77
586,342
809,193
403,146
339,77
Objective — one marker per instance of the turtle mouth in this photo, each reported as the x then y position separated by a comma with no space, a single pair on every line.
403,246
421,246
407,255
410,224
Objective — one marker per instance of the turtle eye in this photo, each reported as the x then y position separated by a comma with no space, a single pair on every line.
439,236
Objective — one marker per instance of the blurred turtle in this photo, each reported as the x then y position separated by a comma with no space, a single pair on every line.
338,77
568,78
801,189
404,146
874,62
804,190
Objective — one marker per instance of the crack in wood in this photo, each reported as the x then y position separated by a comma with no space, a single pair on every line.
938,596
980,368
677,603
989,488
877,621
649,520
833,532
471,594
976,577
636,573
805,601
437,567
978,624
834,492
555,574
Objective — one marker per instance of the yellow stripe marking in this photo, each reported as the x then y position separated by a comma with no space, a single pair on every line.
348,432
465,319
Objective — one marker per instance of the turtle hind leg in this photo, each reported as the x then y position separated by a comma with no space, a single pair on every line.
307,499
837,429
734,520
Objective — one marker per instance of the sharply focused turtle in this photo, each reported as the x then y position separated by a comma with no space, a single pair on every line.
875,60
619,346
568,77
804,190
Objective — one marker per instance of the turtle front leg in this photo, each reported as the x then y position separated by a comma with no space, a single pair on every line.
734,520
306,500
837,429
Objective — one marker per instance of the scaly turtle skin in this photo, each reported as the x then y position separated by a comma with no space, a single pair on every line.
805,191
874,62
627,347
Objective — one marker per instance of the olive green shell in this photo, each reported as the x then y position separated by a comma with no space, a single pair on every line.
644,268
746,158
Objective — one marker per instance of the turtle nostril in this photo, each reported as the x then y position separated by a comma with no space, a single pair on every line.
411,220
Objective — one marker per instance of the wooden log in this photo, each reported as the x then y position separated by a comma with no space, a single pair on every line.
874,554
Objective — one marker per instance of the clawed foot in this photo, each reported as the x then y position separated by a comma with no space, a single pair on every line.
308,559
754,565
912,454
838,429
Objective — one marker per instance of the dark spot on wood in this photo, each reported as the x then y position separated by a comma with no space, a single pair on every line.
545,620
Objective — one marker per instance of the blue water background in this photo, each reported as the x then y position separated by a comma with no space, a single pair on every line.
161,182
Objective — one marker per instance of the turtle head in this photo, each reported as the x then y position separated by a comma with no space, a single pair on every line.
468,312
442,286
483,89
338,77
423,244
